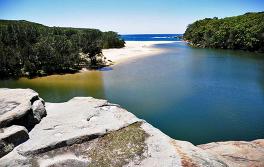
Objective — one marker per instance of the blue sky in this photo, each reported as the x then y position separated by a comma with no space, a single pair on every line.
125,16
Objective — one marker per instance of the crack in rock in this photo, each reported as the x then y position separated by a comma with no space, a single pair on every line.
236,158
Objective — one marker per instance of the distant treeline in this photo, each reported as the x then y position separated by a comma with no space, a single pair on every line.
244,32
32,49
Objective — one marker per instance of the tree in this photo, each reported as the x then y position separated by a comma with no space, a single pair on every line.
243,32
32,49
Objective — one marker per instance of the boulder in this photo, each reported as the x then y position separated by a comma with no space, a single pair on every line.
20,107
39,110
11,137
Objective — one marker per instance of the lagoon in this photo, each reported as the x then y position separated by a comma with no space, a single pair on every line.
198,95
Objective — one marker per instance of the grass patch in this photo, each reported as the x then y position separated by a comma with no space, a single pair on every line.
119,147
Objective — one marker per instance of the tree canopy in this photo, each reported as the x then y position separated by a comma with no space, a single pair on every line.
32,49
244,32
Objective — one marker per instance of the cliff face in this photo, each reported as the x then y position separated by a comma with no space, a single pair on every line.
91,132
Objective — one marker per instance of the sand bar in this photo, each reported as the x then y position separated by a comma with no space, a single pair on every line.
133,50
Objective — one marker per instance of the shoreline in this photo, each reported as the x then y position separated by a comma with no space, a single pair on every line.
133,50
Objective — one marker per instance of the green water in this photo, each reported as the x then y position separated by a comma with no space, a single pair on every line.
198,95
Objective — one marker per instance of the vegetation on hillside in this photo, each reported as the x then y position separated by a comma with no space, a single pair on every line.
244,32
33,49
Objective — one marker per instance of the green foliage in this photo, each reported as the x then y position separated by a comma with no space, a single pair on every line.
112,40
245,32
33,49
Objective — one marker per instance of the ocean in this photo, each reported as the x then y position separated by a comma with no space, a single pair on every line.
152,37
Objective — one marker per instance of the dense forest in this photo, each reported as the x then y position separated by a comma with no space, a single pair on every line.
31,49
244,32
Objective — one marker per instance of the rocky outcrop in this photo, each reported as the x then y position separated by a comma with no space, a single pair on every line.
20,107
238,153
11,137
91,132
76,121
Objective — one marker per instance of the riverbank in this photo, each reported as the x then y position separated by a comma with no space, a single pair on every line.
133,50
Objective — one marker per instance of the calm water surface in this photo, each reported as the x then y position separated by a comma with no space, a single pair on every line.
199,95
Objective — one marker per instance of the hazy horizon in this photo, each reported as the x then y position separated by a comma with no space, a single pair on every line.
124,17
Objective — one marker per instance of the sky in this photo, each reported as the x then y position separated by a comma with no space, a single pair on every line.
125,16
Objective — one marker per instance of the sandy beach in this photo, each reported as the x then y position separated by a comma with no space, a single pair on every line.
133,50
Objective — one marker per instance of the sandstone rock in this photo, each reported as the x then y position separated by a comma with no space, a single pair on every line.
77,120
238,153
165,151
10,137
16,107
39,110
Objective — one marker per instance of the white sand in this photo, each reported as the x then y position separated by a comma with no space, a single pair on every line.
133,50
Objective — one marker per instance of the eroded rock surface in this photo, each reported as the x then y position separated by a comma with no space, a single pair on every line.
20,107
238,153
75,121
92,132
11,137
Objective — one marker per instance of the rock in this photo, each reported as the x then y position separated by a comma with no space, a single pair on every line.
20,107
77,120
165,151
238,153
78,123
92,132
10,137
39,110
